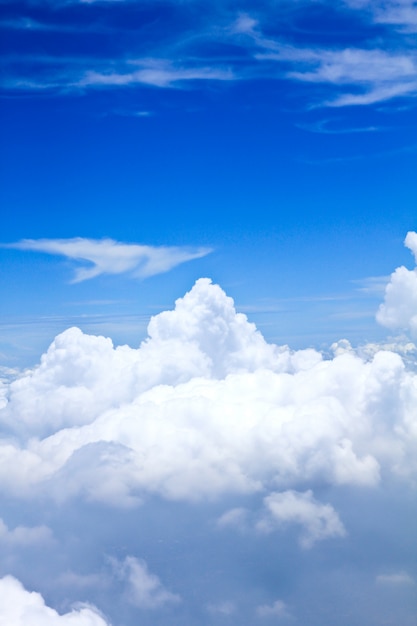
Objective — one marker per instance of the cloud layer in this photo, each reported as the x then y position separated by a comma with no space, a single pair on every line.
194,44
204,407
204,417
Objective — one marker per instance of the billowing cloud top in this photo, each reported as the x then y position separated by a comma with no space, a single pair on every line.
204,407
399,310
113,257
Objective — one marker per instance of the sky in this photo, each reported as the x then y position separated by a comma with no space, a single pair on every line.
208,312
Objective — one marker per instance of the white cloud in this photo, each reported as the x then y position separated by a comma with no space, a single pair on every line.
277,610
144,589
399,310
24,536
157,73
204,407
234,518
396,579
318,520
19,607
400,13
112,257
379,74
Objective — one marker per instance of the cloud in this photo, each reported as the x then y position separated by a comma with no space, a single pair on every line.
19,607
144,589
24,536
353,75
319,521
378,74
277,610
400,13
235,518
399,309
397,579
158,73
112,257
166,450
204,407
222,608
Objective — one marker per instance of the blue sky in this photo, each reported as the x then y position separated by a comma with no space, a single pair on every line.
280,135
208,474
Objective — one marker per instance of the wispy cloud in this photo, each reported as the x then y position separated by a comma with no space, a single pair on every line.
107,256
158,73
323,127
225,44
399,578
379,75
399,13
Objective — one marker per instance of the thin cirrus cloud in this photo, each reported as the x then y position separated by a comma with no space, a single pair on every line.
379,74
399,13
113,257
159,73
245,50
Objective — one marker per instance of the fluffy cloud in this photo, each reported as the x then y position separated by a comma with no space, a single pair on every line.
319,521
399,310
144,589
113,257
203,408
19,607
204,421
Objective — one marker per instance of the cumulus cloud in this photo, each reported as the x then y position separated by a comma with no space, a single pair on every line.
399,309
19,607
203,410
107,256
204,407
318,520
144,589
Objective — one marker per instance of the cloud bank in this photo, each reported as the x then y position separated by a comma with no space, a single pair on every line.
113,257
203,408
208,418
